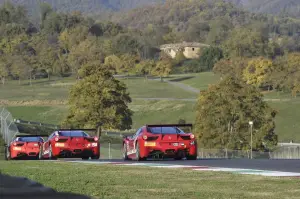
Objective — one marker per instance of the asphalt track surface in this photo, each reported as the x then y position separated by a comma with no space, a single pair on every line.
260,164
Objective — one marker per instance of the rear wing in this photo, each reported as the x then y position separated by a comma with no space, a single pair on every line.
190,126
76,130
169,125
80,129
23,136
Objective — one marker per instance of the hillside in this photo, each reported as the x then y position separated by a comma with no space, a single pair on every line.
95,7
277,7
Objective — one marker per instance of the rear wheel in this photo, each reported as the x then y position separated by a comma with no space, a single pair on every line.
85,158
51,157
95,157
191,157
125,157
137,153
40,156
7,154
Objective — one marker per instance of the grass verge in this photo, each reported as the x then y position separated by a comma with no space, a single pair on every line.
109,181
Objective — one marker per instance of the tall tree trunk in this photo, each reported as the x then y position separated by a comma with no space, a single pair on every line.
161,79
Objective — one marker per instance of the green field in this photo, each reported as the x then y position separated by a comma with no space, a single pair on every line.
144,112
199,80
110,181
30,102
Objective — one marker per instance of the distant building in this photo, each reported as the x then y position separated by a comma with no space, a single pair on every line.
191,50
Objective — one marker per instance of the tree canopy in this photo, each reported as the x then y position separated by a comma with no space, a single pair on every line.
98,97
224,111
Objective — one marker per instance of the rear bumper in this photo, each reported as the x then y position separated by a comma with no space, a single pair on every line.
75,152
24,154
169,151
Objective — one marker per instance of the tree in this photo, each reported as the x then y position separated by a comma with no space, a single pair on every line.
145,67
3,70
223,113
233,67
245,42
257,71
285,75
210,56
98,97
162,69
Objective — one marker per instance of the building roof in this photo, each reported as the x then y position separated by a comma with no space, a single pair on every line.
183,45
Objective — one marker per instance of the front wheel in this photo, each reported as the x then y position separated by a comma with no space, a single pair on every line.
191,157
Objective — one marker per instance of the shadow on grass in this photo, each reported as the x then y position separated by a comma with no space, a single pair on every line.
182,79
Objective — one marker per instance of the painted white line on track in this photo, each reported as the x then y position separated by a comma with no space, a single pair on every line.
201,168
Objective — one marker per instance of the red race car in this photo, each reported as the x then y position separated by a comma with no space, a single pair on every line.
160,141
24,146
72,143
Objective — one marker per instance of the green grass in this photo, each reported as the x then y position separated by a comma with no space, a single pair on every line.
111,181
287,120
144,112
44,114
57,89
139,88
162,111
198,80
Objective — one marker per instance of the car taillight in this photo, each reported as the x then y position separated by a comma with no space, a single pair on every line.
56,139
145,137
192,136
96,139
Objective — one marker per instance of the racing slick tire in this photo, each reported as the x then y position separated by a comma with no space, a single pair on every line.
7,153
191,157
85,157
125,157
95,157
40,156
137,153
51,157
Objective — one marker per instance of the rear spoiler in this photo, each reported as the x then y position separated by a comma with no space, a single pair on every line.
23,136
169,125
76,130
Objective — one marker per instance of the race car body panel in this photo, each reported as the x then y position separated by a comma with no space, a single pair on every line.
71,144
160,141
24,146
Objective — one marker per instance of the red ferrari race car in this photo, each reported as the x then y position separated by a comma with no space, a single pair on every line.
73,143
160,141
24,146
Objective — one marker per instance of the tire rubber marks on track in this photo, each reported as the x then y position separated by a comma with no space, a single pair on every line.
202,168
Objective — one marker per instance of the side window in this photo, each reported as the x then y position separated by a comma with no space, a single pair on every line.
51,136
137,133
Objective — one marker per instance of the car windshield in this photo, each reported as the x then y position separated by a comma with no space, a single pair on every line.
73,134
165,130
29,139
